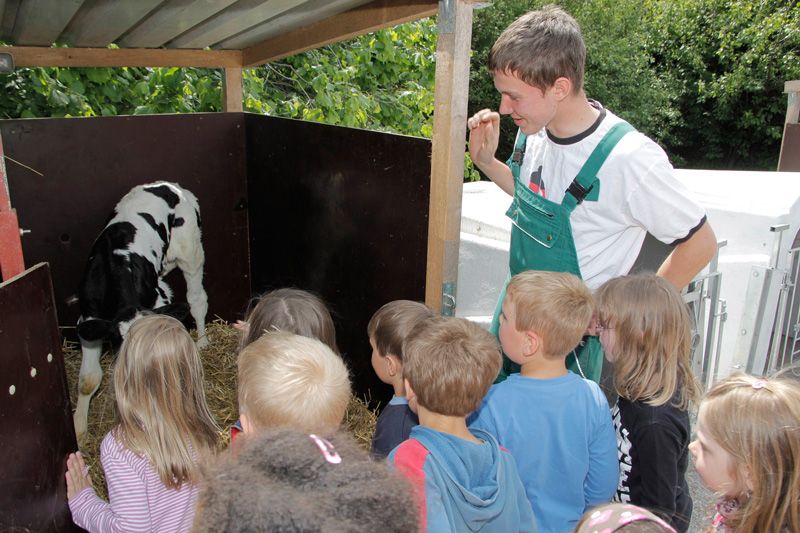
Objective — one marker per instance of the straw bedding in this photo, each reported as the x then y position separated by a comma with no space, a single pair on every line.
219,363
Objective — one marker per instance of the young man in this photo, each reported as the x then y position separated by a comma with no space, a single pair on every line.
587,187
464,481
556,424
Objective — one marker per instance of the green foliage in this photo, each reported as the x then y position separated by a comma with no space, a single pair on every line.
702,77
726,62
89,92
381,81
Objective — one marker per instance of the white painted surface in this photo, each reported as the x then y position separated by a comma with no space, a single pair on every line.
741,207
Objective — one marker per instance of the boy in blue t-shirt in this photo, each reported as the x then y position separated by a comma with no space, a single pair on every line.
556,424
387,330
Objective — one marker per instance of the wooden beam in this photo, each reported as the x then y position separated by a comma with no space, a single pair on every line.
447,160
232,90
30,56
358,21
792,90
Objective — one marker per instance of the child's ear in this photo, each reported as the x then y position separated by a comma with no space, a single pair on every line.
533,342
247,426
393,365
409,391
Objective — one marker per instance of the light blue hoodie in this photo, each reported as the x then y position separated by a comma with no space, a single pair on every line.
466,486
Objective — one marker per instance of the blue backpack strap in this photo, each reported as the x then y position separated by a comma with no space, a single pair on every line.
515,161
587,176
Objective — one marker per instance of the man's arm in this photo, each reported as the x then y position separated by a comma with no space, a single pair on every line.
689,257
484,135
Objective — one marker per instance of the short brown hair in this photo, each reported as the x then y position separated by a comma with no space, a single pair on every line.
540,47
556,305
391,324
290,380
450,363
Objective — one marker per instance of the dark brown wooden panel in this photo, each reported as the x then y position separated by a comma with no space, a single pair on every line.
790,149
89,164
36,431
341,212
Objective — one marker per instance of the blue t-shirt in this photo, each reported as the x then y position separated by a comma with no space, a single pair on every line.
560,433
393,426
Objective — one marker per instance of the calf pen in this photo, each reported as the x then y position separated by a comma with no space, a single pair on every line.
337,211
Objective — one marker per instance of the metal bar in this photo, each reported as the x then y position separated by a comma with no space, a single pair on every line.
715,284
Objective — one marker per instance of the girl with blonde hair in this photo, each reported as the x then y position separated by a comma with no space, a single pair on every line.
747,450
644,327
164,428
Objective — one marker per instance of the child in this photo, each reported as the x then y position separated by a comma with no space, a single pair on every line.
747,450
293,310
587,187
387,330
621,518
644,327
556,424
286,380
164,428
285,480
464,480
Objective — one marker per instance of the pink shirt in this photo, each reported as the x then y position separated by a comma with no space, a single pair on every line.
138,499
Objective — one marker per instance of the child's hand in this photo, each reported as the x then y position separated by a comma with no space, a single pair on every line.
77,475
242,326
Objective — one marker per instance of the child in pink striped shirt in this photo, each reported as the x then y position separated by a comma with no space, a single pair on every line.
150,458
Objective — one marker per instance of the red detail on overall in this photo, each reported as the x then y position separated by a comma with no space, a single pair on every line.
11,262
538,190
410,460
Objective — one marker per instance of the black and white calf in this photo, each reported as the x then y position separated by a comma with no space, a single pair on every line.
153,229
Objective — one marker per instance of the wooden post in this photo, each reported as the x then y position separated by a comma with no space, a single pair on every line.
448,147
789,159
232,90
792,88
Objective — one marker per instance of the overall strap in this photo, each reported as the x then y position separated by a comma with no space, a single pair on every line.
587,176
515,161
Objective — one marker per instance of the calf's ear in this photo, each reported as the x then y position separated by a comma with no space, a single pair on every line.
94,329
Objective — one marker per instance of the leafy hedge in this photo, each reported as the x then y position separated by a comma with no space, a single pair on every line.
702,77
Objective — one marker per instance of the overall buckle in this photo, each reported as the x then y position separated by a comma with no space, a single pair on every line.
578,191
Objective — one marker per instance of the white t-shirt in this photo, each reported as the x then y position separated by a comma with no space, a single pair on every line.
638,194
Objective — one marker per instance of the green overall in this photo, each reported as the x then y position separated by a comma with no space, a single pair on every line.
541,239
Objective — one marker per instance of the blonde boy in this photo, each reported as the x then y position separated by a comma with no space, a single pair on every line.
556,424
464,481
388,328
286,380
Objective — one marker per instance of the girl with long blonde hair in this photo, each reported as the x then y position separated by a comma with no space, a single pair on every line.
164,427
644,327
747,450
